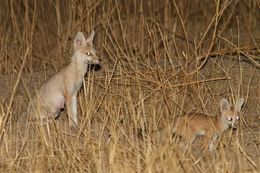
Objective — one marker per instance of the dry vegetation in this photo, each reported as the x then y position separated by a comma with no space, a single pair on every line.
160,59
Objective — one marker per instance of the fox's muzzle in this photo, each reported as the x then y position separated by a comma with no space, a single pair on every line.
95,62
233,126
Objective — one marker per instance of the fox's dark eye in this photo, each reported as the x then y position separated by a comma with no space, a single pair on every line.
229,119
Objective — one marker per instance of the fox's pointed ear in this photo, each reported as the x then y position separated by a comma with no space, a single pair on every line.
224,105
79,40
91,37
239,104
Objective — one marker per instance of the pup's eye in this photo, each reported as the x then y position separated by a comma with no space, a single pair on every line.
229,119
88,53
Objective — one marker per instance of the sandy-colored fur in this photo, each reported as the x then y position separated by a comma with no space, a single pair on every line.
63,87
191,125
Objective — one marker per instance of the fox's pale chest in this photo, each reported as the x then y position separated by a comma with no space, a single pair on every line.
78,84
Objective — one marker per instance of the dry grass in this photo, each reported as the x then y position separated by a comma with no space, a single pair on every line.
160,59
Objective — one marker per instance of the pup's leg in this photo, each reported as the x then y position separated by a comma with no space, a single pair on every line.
212,143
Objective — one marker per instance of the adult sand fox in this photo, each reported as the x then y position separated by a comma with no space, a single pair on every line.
191,125
63,87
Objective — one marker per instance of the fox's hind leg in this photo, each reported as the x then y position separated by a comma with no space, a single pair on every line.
36,112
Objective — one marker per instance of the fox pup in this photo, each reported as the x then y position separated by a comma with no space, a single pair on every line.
198,124
63,87
191,125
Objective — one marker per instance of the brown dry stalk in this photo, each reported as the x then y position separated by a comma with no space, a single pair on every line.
7,114
246,50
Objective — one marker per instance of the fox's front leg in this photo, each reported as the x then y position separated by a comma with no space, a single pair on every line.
212,143
71,104
74,109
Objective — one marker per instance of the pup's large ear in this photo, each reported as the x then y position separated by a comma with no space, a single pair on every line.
239,104
79,40
91,37
224,105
